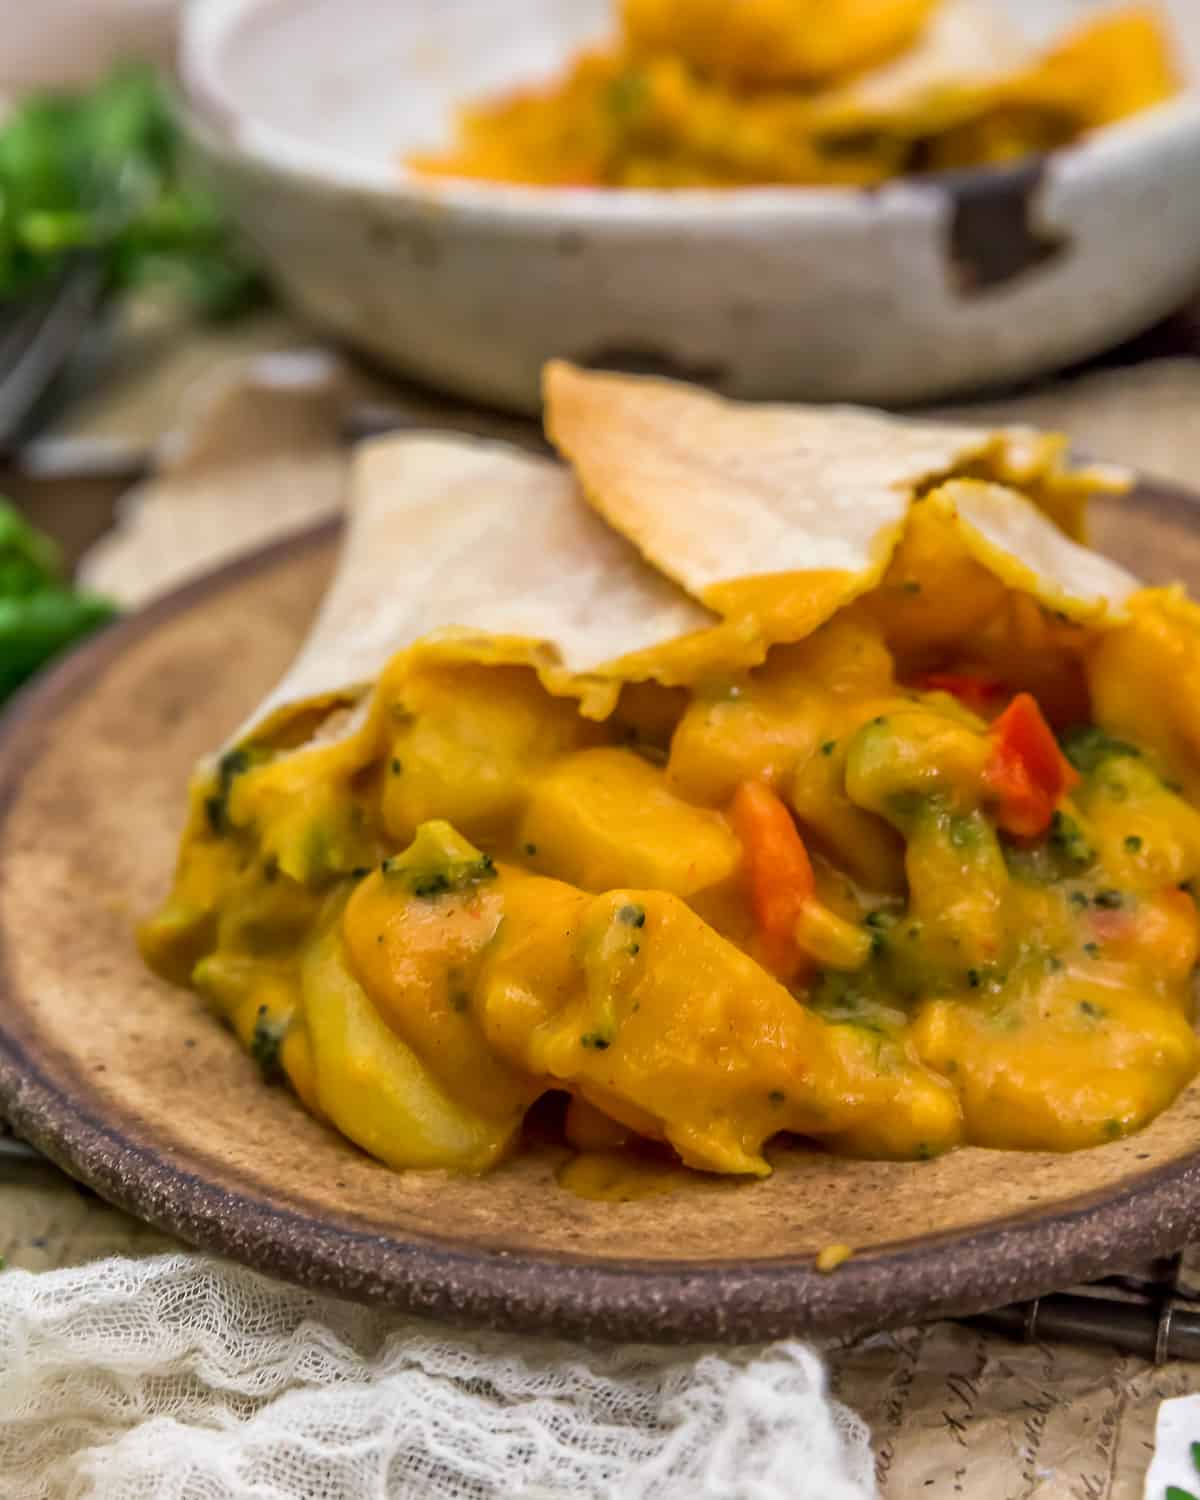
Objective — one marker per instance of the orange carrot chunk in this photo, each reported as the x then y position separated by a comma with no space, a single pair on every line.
779,872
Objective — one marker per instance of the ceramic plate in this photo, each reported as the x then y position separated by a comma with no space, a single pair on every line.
133,1088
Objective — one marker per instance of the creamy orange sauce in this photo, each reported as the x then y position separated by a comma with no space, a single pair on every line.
619,1177
481,897
728,93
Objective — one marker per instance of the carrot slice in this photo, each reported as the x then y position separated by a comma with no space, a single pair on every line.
779,872
1027,774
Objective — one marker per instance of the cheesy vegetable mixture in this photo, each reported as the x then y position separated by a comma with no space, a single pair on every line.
729,93
922,876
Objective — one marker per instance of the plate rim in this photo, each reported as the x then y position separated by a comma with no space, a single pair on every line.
644,1300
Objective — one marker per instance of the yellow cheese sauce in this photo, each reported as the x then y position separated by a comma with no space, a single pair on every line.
732,93
479,898
619,1177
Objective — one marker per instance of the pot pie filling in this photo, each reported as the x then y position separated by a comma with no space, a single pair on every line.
923,878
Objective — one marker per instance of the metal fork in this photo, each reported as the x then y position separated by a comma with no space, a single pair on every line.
12,1149
38,336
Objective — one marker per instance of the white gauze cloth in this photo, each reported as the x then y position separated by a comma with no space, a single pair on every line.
179,1377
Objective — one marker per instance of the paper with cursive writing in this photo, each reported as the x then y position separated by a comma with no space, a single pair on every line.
953,1411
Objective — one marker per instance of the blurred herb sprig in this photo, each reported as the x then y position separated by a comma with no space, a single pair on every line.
40,614
103,172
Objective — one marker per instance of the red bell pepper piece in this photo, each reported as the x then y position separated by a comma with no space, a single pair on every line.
975,690
1027,774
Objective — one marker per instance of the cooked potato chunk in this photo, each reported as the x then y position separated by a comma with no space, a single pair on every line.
606,817
465,742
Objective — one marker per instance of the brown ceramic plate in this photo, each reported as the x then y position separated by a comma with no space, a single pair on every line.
130,1086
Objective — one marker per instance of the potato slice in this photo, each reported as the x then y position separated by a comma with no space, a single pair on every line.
375,1089
631,1000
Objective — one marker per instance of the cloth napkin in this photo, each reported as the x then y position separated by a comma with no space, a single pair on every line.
180,1377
